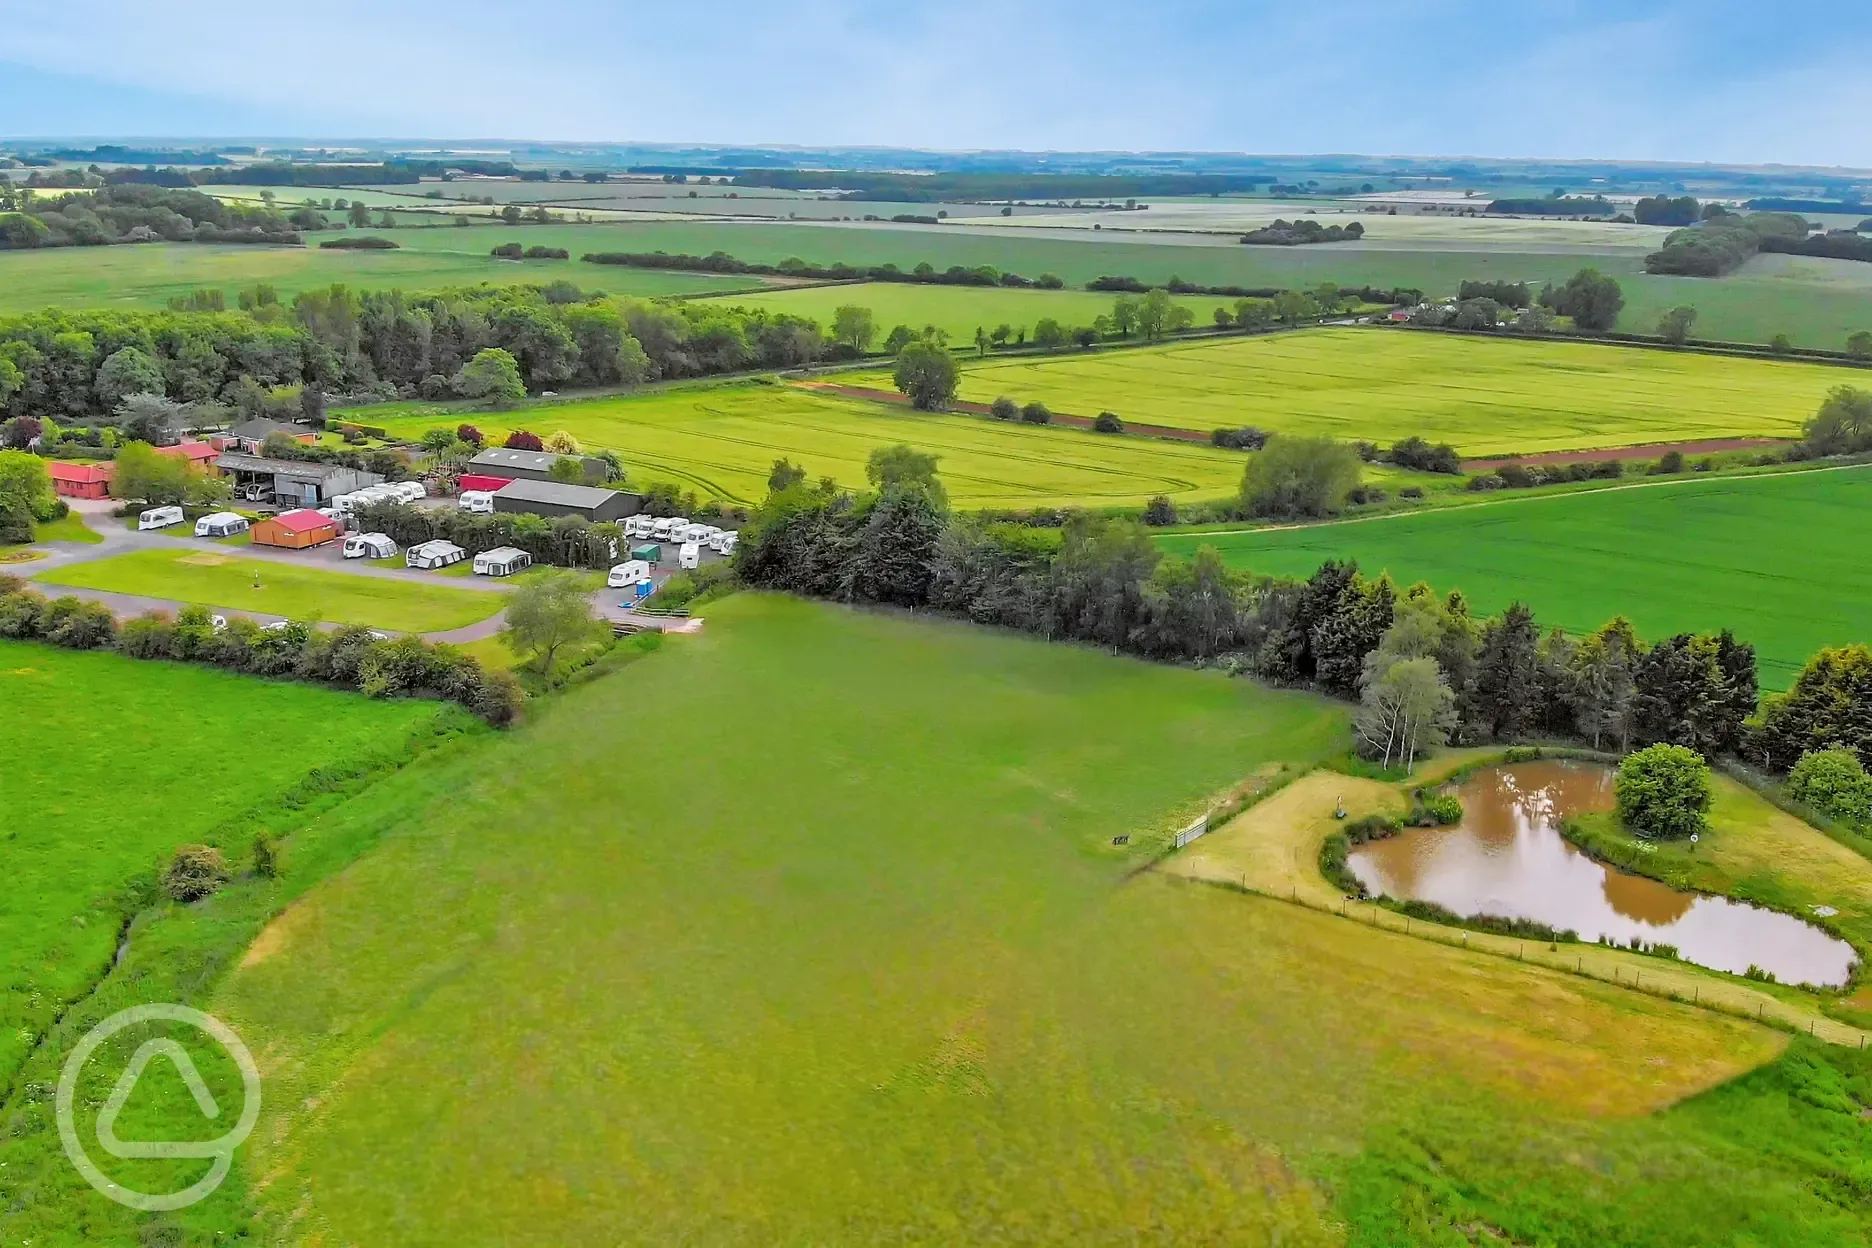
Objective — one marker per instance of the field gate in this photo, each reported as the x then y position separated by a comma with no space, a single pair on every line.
1197,827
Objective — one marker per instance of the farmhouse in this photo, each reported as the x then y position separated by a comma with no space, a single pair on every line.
295,530
80,480
549,498
250,434
200,454
290,483
499,462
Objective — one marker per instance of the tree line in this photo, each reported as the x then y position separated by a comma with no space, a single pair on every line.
377,345
1723,242
134,214
1423,667
1302,232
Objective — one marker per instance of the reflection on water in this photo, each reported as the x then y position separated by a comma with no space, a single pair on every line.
1507,858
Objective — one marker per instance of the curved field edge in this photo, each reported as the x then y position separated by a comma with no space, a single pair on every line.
116,763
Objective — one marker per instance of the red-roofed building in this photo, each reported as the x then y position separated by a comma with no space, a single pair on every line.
200,454
295,530
80,480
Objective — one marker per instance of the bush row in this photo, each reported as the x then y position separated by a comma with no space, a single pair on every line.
350,657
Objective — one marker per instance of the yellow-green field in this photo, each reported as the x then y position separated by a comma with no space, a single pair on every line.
722,441
1485,396
957,310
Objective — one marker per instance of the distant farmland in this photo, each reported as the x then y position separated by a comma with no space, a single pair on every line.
1778,559
959,310
722,441
149,274
1483,395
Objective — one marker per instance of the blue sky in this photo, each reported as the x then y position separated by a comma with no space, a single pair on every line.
1709,80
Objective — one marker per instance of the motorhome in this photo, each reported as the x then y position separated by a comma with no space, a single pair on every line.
689,555
369,546
663,528
502,561
221,524
627,574
159,518
479,502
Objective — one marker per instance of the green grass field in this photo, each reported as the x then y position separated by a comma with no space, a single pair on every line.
800,1008
1483,395
215,579
1779,559
958,310
723,440
148,275
119,761
936,1019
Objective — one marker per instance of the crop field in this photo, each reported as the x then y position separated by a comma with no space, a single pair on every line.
149,274
1483,395
1778,559
214,579
958,310
722,441
929,1020
129,759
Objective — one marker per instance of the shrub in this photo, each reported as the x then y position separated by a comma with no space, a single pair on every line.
1663,791
1435,810
1371,828
1037,413
1299,477
1108,422
1004,408
79,625
1834,783
1669,464
1247,438
1160,511
1411,491
147,636
195,872
266,858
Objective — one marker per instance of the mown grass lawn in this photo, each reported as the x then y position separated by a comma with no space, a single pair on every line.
113,763
213,579
722,441
1779,559
69,528
878,965
1485,396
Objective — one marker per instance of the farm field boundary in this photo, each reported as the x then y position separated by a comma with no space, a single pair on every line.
1775,556
1487,397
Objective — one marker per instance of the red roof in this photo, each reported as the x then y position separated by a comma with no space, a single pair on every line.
305,520
78,474
189,450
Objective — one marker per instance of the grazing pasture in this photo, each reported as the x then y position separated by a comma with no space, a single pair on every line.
930,1019
1485,396
114,763
1779,559
957,310
212,578
722,441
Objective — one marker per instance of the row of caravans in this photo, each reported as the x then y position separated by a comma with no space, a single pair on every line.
216,524
680,530
388,492
434,555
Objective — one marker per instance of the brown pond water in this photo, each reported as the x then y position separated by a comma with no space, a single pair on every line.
1507,858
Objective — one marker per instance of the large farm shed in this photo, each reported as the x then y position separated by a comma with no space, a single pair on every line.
529,465
80,480
549,498
291,482
250,435
295,530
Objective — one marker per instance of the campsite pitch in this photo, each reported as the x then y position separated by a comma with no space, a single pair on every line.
211,578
